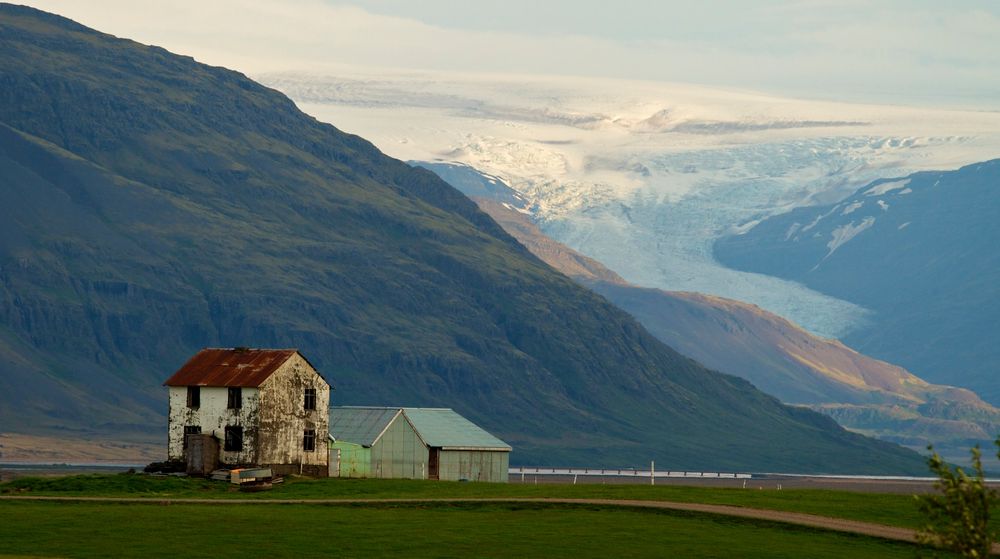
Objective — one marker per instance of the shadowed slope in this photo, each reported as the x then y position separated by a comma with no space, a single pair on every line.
920,251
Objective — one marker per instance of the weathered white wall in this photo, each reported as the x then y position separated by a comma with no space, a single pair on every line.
213,417
273,418
283,417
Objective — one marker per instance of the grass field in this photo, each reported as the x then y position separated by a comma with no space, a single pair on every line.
889,509
431,530
466,530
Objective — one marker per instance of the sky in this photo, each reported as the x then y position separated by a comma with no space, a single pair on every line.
891,51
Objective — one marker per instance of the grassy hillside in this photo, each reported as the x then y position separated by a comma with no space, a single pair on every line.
151,205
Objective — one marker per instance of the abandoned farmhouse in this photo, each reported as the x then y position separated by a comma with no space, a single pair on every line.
270,408
267,407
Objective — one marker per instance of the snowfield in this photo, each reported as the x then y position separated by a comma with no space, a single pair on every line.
645,176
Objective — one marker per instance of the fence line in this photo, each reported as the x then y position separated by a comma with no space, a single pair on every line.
525,470
624,472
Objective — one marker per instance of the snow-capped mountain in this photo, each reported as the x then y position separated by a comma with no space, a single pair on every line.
646,176
920,251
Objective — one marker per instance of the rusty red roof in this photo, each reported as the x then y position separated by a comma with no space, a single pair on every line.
230,367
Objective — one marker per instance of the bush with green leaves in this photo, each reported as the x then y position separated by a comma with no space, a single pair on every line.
958,516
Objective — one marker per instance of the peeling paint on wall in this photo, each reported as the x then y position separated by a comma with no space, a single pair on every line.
284,419
273,416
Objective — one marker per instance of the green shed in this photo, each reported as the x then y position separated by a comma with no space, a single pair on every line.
413,443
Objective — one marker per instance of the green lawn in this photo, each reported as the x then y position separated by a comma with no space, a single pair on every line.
890,509
468,530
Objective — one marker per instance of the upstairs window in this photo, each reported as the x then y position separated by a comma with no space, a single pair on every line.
190,430
309,440
235,398
194,397
310,401
234,438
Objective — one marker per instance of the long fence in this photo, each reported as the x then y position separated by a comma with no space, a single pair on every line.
522,471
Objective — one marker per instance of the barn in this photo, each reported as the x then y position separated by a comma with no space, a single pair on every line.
413,443
264,407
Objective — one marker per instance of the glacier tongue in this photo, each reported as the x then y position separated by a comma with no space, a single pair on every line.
668,244
645,176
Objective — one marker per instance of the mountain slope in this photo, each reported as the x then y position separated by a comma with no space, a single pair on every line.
921,251
154,205
778,357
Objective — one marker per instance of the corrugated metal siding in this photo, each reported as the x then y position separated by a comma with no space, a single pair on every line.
474,465
393,444
354,460
399,453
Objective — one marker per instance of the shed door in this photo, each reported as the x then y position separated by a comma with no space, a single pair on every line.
433,462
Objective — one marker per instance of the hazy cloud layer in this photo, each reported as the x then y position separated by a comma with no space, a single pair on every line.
906,51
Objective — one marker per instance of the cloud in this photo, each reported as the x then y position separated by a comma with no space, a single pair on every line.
853,50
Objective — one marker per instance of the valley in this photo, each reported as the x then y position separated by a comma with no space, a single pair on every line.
647,182
559,279
646,176
155,206
863,394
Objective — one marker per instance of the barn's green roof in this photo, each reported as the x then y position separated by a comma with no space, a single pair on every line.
359,425
442,427
437,427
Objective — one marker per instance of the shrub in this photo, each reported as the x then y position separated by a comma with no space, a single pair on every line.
958,516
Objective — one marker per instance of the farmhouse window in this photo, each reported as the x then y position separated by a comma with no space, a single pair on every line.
190,430
310,402
234,438
194,397
309,440
235,398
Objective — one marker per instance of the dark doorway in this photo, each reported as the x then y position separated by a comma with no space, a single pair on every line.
433,463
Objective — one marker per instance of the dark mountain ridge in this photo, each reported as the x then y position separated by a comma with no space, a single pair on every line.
921,251
151,205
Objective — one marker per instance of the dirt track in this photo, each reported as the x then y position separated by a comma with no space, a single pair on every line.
801,519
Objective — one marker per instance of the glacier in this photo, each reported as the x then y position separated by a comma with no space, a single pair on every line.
645,176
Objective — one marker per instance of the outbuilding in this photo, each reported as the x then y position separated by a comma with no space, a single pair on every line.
263,407
413,443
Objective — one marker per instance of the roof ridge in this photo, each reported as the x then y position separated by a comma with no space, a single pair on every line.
247,348
238,366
